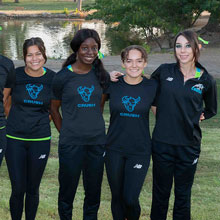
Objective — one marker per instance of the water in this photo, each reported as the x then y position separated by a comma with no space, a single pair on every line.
56,34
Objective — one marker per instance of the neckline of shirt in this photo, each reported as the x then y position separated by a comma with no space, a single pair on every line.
44,73
69,67
196,77
132,84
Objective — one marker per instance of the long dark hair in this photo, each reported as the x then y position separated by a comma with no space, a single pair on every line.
192,37
77,40
34,41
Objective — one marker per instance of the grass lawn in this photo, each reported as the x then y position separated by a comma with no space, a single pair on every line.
205,192
50,5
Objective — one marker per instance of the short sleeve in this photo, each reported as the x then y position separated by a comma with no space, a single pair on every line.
7,68
106,90
10,80
57,86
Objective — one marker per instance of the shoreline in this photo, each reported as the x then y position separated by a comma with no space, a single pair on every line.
25,14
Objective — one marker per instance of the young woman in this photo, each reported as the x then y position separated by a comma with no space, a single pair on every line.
183,88
128,139
78,89
7,80
28,129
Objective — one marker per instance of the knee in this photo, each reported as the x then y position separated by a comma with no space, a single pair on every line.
31,191
183,199
130,202
116,197
162,191
18,192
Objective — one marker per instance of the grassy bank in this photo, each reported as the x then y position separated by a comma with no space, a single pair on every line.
205,192
49,5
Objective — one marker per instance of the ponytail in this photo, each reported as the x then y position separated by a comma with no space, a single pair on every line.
70,60
101,73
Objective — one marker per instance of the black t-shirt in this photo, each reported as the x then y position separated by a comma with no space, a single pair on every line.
7,80
179,105
129,122
29,114
80,96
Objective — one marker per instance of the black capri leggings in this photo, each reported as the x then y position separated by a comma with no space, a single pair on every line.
26,161
126,175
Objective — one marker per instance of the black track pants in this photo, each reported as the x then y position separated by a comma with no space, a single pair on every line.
178,163
2,144
73,160
26,161
126,175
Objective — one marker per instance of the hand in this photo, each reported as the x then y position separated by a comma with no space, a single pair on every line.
202,117
114,75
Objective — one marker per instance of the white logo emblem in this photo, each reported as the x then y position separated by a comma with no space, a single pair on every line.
198,88
103,154
169,79
0,151
42,156
138,166
195,161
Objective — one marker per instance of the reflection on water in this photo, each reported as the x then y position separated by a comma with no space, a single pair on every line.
55,33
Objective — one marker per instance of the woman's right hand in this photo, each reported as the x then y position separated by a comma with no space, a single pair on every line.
114,75
202,117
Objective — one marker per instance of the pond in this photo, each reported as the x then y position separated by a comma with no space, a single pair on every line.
56,34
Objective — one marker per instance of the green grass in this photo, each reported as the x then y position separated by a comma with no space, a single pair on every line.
50,5
205,191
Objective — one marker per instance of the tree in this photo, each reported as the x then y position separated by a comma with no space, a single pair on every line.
152,18
0,2
16,1
213,24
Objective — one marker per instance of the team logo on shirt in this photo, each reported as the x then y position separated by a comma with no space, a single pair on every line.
198,88
34,90
130,102
85,92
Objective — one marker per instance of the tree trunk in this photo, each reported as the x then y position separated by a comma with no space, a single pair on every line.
79,5
213,24
0,2
16,1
